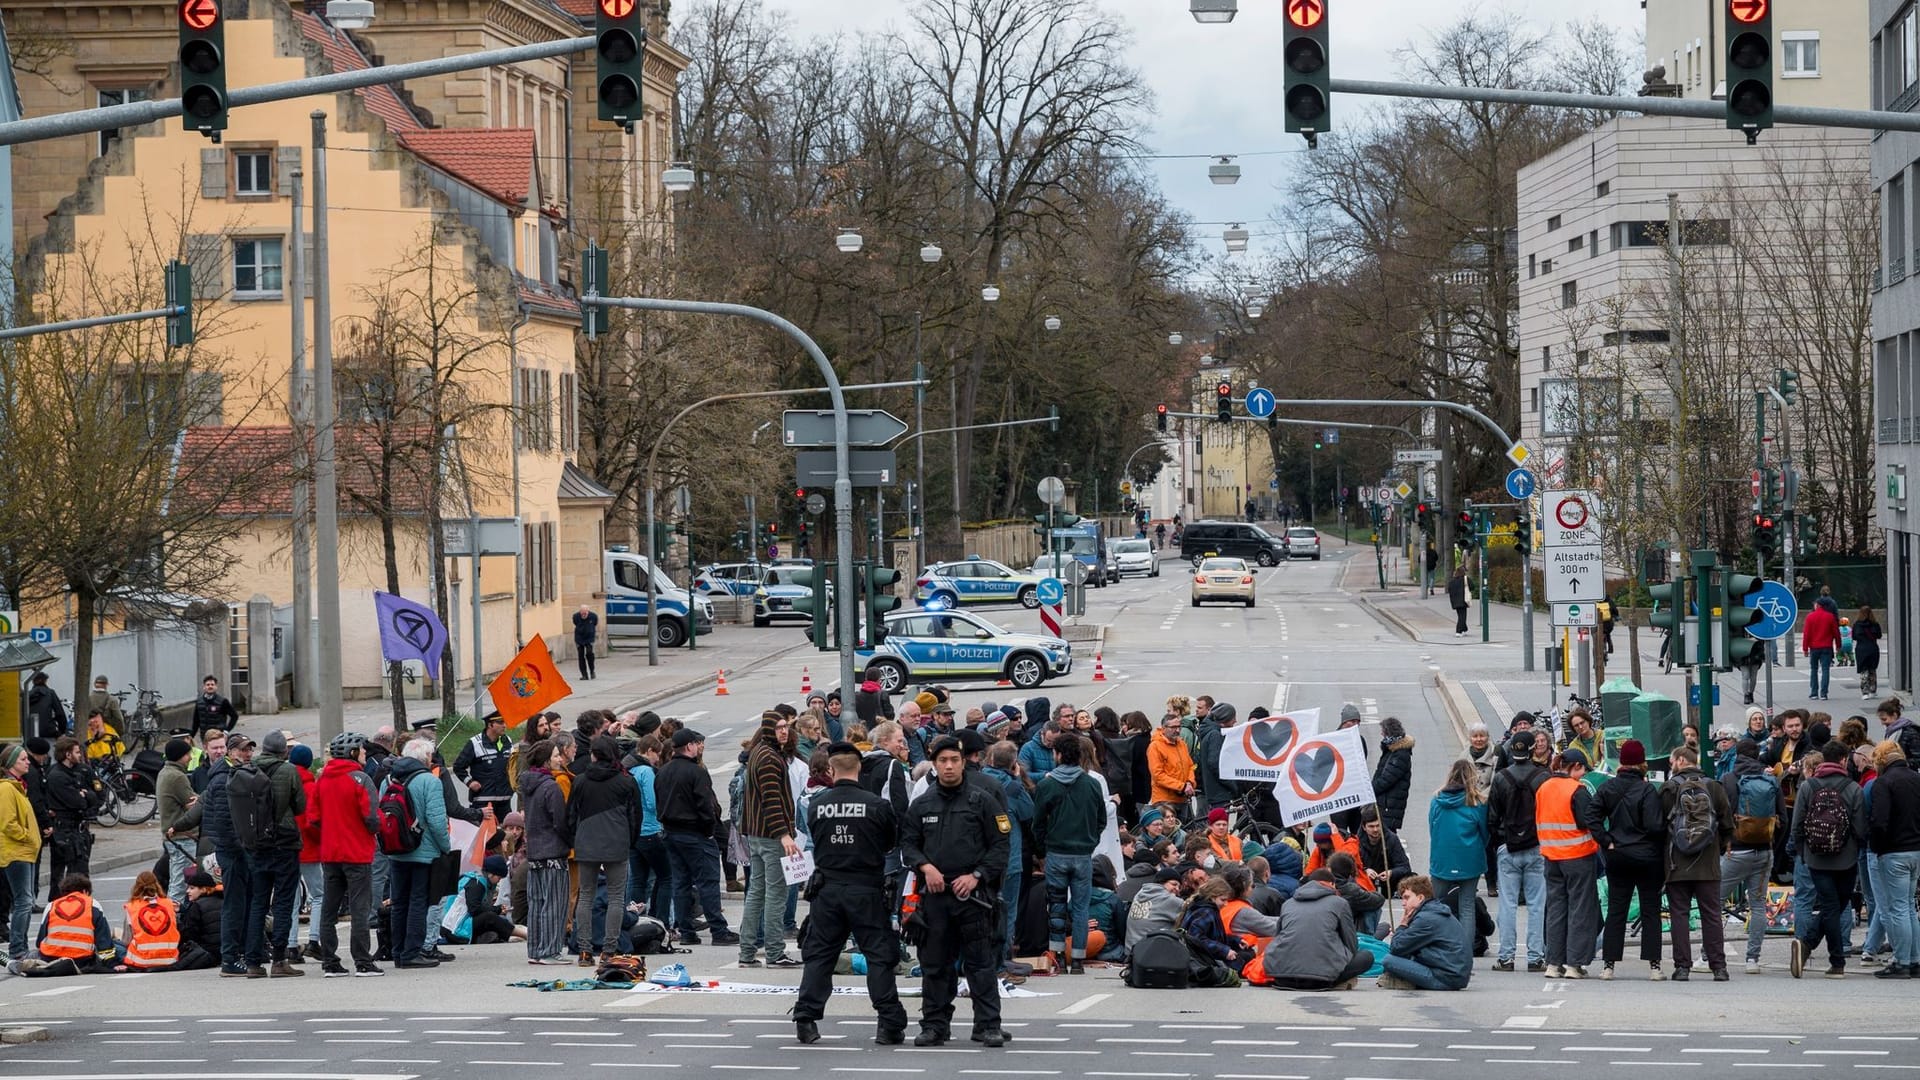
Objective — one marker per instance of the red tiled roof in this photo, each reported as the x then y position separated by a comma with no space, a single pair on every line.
248,471
343,55
498,161
546,297
581,9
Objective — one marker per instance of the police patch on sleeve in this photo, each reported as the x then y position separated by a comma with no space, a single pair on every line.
1005,825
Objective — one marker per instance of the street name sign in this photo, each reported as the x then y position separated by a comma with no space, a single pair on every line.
867,468
1415,457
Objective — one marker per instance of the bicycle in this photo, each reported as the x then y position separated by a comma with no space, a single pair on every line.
143,724
1243,824
120,801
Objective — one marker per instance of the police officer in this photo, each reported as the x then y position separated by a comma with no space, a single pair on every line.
956,840
854,831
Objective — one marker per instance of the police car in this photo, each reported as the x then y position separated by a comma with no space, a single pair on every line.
975,580
773,598
930,645
728,579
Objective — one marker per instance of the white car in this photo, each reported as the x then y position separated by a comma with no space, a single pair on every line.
1134,557
1223,579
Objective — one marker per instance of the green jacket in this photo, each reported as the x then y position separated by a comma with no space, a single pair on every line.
174,791
289,798
1068,813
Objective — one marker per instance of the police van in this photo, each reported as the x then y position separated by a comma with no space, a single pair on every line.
624,579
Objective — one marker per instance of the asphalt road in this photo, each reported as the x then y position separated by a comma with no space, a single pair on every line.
1309,642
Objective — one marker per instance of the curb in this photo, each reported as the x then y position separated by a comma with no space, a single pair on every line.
1388,617
690,685
1453,697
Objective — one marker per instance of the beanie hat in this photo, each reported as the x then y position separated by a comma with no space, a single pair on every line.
200,879
1633,753
1323,834
971,741
926,701
38,746
177,749
996,727
301,756
1348,712
11,756
1150,815
1216,814
514,820
274,742
1168,875
495,865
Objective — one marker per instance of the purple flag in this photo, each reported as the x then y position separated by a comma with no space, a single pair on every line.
409,631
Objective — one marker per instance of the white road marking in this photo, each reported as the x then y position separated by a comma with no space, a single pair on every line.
58,990
1488,1046
1525,1022
634,1065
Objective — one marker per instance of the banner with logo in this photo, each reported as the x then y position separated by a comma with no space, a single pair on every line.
528,684
1323,774
1258,749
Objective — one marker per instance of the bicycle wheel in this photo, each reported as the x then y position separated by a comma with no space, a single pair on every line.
109,813
135,809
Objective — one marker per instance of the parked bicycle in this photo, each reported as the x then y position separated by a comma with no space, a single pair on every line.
127,794
143,724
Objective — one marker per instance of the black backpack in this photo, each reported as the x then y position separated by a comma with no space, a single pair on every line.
1161,961
250,797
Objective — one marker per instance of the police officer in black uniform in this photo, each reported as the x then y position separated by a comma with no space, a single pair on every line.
956,840
854,831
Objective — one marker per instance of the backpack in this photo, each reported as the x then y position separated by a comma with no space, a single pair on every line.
1160,961
250,798
1829,825
1690,828
400,830
737,795
1753,819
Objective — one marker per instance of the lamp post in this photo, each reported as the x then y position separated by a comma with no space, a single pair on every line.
849,241
677,178
1213,11
1224,171
990,293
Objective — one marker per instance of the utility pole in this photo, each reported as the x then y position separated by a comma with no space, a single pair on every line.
325,482
1676,319
298,422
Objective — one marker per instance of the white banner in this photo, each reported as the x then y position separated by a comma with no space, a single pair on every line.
1323,774
1258,749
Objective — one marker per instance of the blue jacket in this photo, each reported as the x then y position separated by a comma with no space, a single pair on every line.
1435,938
1456,836
1037,759
1019,808
1288,869
649,807
429,806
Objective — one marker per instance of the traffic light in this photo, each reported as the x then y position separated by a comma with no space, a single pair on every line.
800,535
1223,404
1766,535
1304,58
1423,515
1669,614
179,286
1807,534
1522,535
203,67
1736,616
879,582
1160,416
620,44
816,602
593,280
1749,39
1789,385
1466,522
800,495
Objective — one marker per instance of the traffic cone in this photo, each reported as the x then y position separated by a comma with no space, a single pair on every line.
806,683
1099,669
1004,682
721,690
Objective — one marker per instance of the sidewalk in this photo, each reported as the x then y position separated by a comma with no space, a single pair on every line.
624,681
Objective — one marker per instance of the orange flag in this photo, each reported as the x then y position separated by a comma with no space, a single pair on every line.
529,684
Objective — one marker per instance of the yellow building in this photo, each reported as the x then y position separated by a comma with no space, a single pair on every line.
1235,460
457,227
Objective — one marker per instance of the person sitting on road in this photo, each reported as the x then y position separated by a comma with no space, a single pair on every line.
200,918
1329,841
1316,946
1430,949
74,937
1366,903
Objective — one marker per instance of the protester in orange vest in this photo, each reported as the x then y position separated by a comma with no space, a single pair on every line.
1225,845
1563,807
1326,841
74,937
152,930
1242,920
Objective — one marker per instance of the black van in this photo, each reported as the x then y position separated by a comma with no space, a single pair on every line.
1234,539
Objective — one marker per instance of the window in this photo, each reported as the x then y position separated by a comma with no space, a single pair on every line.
121,96
1896,219
1569,294
1533,395
1546,358
535,429
1634,337
1603,189
256,268
1546,267
1533,265
1579,406
569,413
1800,54
1701,232
1553,222
539,583
1593,244
253,173
1576,244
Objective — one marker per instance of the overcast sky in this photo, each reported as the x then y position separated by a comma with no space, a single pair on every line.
1218,88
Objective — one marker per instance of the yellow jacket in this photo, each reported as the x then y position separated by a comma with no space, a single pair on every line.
19,830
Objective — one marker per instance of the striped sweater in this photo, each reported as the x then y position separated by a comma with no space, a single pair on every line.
768,811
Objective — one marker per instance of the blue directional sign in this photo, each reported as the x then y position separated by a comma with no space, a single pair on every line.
1050,591
1777,609
1260,402
1520,484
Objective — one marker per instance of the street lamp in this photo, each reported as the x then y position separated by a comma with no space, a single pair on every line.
930,253
990,293
1255,309
350,14
1224,171
1053,322
1214,11
678,178
1236,238
1175,338
848,241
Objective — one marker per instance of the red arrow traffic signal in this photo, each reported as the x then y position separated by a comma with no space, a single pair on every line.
1747,11
1306,14
199,14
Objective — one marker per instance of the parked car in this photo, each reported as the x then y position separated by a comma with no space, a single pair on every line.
1223,579
1231,539
975,581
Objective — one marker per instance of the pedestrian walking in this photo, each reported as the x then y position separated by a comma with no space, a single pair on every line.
1829,826
1561,808
343,807
853,831
1457,599
1866,651
211,710
586,632
179,810
1457,831
1700,823
955,839
1818,638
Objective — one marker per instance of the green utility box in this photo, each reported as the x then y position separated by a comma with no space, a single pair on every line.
1616,701
1657,720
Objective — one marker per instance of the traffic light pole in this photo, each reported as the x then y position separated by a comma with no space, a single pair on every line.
15,332
1706,607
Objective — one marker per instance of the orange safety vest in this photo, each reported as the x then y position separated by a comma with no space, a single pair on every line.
1348,844
1233,849
1561,837
1255,970
69,928
153,933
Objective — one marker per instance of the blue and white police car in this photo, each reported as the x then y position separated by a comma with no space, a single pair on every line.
975,580
773,598
624,580
936,644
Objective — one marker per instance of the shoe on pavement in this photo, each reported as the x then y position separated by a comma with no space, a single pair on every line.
1503,965
1796,957
1015,967
929,1037
749,961
1720,975
1348,985
1553,971
992,1038
1681,974
1754,968
806,1031
233,972
420,962
1394,982
735,886
785,962
293,957
1076,968
887,1036
1654,974
686,939
1895,971
436,954
1868,959
367,971
1537,966
1606,973
1836,973
586,960
1575,971
255,971
334,969
312,952
725,937
1014,978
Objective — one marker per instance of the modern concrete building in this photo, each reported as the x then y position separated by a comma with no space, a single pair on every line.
1894,26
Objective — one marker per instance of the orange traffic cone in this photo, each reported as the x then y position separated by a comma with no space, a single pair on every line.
806,683
1004,682
1099,669
721,690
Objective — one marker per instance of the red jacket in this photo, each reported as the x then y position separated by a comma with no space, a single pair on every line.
1822,630
342,804
309,824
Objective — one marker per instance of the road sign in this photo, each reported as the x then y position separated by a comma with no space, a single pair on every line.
1403,490
865,427
1126,487
816,503
43,634
1518,453
1693,694
1520,483
1050,590
1260,403
1331,436
200,14
9,622
1575,615
1051,490
1273,485
1366,496
1574,574
1416,457
1306,14
1572,519
1384,494
1777,607
1748,11
498,536
868,468
1050,619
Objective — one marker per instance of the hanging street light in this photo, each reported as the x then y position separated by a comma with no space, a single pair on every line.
1175,338
1214,11
930,253
990,293
1053,322
1236,238
1255,309
678,178
1224,171
849,241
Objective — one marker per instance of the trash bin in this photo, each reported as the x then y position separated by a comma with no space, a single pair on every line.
1657,720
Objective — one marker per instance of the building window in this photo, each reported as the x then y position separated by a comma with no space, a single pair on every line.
253,173
256,268
1546,266
1533,394
1569,294
569,413
1553,222
120,96
1533,266
539,583
1546,358
1602,189
535,429
1576,244
1800,54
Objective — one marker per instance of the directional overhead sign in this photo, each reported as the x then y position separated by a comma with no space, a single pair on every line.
1260,402
865,427
1777,607
868,468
